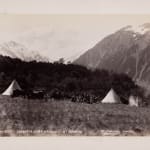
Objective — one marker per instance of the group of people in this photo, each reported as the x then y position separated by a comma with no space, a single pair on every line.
84,97
74,96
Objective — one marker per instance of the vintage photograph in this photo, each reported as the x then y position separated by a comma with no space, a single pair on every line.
74,74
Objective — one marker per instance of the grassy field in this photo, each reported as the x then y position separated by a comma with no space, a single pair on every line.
17,114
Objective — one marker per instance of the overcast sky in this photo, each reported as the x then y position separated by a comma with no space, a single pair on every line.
63,35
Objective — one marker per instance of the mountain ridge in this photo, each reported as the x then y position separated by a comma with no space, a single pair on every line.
125,51
16,50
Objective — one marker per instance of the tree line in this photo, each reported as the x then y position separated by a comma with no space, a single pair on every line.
67,79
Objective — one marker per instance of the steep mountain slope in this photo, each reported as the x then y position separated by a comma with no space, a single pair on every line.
17,50
127,51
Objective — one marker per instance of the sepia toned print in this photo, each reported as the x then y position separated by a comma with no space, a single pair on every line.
74,75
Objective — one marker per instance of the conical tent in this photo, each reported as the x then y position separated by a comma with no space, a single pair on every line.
133,101
13,86
111,97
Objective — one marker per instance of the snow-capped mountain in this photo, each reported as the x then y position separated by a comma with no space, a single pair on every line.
125,51
17,50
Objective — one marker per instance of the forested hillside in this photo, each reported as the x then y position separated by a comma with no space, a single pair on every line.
68,79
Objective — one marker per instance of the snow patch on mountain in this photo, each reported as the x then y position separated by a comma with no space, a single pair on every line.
142,29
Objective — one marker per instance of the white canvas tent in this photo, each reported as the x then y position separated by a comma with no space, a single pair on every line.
111,97
133,101
12,87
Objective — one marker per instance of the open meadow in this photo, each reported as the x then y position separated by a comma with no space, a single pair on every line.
67,118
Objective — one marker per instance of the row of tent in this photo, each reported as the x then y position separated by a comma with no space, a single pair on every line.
111,96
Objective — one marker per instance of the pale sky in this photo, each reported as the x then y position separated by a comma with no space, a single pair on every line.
75,6
65,36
